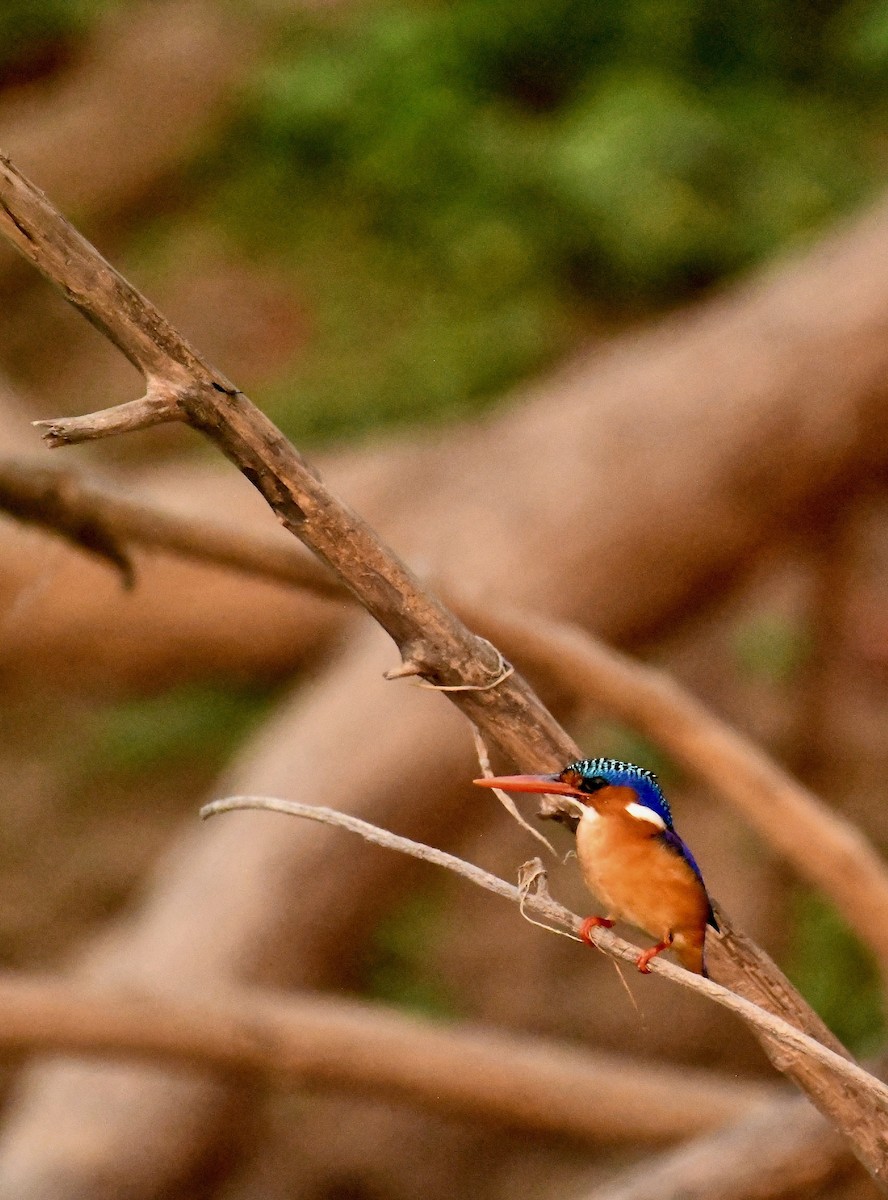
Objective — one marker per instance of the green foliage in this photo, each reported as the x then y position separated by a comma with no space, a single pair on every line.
29,27
835,974
197,721
772,648
457,184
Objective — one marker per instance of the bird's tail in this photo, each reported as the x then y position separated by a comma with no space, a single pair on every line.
688,949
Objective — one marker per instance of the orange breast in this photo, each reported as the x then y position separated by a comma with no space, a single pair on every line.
638,878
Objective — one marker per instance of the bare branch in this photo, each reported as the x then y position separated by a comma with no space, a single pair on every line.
67,503
424,630
822,846
852,1078
157,406
529,1082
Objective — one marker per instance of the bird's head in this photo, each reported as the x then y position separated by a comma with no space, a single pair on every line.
599,784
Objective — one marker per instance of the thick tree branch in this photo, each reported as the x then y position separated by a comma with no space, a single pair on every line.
824,848
527,1082
423,629
426,633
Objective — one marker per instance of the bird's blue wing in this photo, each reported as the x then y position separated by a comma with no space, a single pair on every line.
671,839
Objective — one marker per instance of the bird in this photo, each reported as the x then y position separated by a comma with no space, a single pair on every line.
629,854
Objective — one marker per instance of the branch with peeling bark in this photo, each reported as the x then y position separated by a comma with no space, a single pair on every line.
181,386
423,629
823,847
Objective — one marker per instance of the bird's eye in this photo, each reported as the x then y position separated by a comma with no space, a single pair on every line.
594,784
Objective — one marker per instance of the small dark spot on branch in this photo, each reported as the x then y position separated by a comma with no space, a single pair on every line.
23,230
290,512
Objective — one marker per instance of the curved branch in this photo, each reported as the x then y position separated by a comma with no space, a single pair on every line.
795,1044
523,1081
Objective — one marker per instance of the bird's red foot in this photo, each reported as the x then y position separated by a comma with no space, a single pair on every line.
591,923
643,962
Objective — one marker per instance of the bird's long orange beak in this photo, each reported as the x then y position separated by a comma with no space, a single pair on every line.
550,784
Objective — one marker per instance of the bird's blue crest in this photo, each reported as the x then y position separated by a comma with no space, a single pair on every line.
623,774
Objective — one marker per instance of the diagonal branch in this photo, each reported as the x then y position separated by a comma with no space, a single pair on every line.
827,850
424,630
821,845
426,633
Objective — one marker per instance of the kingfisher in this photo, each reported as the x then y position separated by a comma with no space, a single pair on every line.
630,856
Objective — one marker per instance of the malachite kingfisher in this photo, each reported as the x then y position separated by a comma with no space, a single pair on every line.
629,854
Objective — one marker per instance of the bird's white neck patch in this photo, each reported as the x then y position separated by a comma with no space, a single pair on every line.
643,813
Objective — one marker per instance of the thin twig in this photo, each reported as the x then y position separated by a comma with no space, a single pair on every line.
849,1073
822,846
504,798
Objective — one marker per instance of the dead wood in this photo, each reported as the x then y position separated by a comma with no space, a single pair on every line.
533,896
827,850
200,410
694,444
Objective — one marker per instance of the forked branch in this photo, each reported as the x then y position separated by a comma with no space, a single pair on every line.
426,633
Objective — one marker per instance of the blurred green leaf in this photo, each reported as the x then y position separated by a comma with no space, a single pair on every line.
28,27
456,189
395,967
835,973
772,648
610,739
195,721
